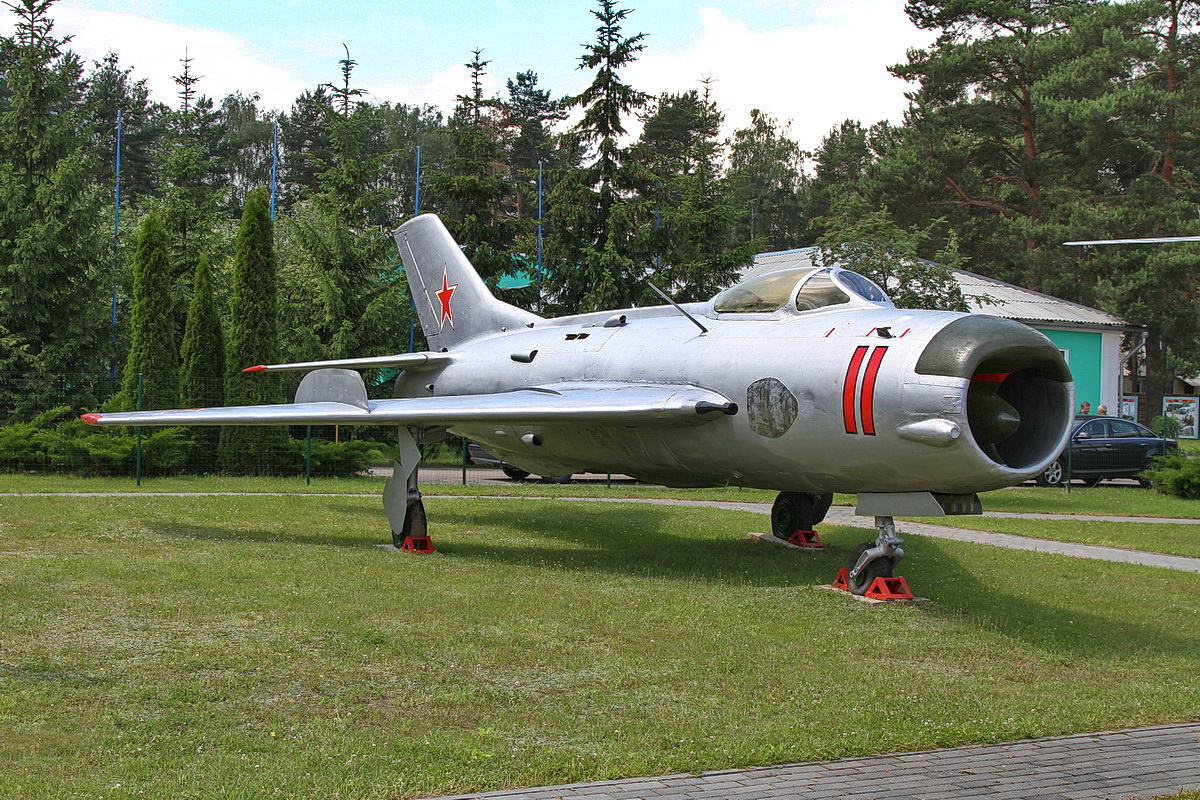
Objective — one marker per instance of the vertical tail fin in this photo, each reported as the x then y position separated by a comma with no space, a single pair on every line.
453,302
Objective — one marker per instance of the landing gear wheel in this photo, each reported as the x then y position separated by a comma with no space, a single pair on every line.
798,511
414,524
514,473
1053,475
879,568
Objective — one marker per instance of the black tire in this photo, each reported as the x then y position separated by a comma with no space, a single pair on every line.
879,568
1053,475
415,524
513,472
798,511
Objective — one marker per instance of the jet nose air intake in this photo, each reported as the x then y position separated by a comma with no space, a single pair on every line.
1020,397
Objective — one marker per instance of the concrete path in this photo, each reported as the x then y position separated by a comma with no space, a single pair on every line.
1137,763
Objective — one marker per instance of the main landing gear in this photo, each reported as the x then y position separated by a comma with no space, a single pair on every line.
402,498
876,559
798,513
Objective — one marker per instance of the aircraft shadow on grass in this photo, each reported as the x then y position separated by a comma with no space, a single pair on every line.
653,542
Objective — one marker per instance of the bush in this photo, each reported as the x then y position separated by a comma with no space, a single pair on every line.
338,459
73,446
1177,475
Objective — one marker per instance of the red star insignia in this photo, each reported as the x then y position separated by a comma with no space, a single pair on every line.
444,295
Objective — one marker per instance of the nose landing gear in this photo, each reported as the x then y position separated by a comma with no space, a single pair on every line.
877,559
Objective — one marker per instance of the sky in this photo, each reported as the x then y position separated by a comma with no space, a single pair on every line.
811,62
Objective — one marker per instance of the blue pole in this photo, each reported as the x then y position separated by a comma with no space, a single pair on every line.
274,169
116,223
412,321
539,262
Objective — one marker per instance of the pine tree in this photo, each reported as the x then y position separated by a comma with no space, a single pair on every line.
764,184
54,251
680,154
529,113
253,339
152,352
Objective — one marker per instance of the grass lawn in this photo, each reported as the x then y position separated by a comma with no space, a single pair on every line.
1173,539
250,646
1103,500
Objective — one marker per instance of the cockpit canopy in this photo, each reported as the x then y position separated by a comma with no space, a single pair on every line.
812,287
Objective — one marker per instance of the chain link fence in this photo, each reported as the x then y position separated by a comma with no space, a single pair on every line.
41,433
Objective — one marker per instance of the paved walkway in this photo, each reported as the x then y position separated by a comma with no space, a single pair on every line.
1138,763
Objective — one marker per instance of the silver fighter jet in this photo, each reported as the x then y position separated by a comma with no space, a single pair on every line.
807,381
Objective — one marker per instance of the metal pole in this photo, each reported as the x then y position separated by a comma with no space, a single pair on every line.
308,456
274,169
112,369
138,458
464,461
417,189
539,236
412,319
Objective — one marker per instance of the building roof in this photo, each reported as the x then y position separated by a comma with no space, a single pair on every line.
983,295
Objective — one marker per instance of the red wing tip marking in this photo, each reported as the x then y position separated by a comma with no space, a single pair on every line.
990,377
256,368
90,419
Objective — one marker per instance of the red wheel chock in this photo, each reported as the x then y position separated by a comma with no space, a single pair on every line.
417,544
842,581
889,589
880,588
809,539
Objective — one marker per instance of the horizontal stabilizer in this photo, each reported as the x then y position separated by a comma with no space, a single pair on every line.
572,403
411,361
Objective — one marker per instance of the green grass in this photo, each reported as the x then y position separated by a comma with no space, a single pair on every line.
1172,539
249,646
1102,501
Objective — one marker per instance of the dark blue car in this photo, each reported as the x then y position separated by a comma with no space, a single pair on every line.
1106,447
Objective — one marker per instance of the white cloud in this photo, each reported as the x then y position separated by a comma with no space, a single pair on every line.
815,75
227,62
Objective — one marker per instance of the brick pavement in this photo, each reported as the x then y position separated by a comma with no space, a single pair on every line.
1136,763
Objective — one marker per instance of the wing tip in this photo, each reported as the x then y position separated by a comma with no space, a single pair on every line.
256,368
90,419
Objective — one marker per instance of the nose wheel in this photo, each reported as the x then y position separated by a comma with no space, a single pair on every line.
876,559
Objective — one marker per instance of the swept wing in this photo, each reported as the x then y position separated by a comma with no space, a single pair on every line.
573,403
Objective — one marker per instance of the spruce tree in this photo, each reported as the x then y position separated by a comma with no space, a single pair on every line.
253,339
152,352
54,251
593,250
470,190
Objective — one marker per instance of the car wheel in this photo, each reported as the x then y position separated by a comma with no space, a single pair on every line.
514,473
1053,475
